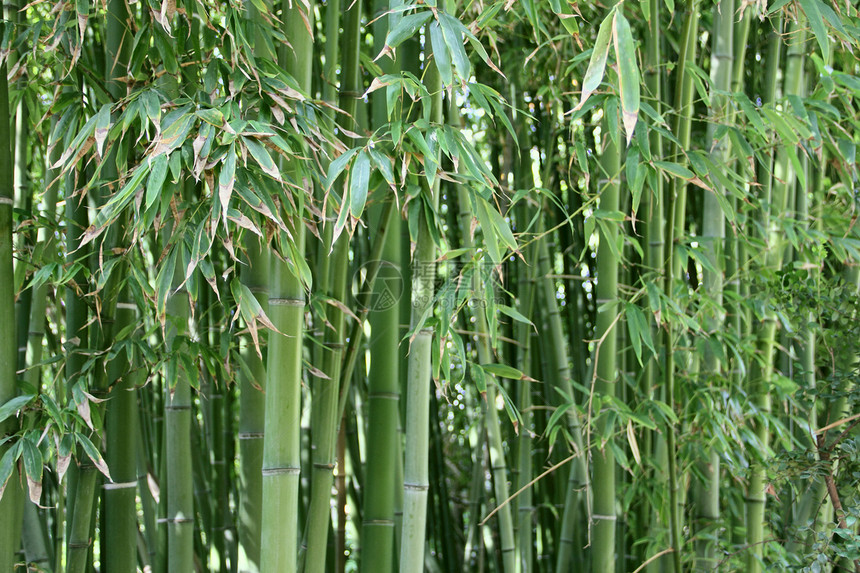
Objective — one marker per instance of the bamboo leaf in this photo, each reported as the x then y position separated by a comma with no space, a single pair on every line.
491,242
102,128
359,180
441,55
33,466
163,282
157,175
514,314
14,405
405,29
226,179
816,21
262,157
337,166
634,445
7,464
251,312
116,204
503,370
628,74
675,169
152,108
174,135
211,116
480,380
94,455
557,414
383,165
597,63
451,29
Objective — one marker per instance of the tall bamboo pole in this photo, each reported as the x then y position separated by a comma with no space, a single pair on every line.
325,397
706,493
498,466
252,402
119,545
415,477
177,415
281,444
606,375
11,502
79,515
377,533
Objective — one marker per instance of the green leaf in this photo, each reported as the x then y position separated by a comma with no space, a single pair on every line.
503,370
33,467
152,106
441,55
226,179
628,74
174,135
211,116
117,203
337,166
514,314
163,282
262,157
157,175
251,311
451,29
94,455
383,165
406,28
480,379
597,63
14,405
7,464
557,414
816,21
102,128
359,178
675,169
639,331
491,243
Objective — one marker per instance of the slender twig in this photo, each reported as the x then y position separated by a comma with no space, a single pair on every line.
528,485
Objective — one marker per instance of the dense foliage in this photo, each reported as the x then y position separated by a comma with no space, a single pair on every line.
445,286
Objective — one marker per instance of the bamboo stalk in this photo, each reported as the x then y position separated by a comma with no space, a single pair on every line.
325,392
762,369
415,475
606,375
252,402
706,493
281,444
120,532
11,503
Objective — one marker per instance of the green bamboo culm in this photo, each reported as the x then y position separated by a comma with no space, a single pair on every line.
324,414
675,214
177,415
761,371
415,473
80,514
706,491
12,499
281,443
252,398
119,549
383,400
498,466
603,484
252,403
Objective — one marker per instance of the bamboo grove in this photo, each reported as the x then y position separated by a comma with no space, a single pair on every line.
438,286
